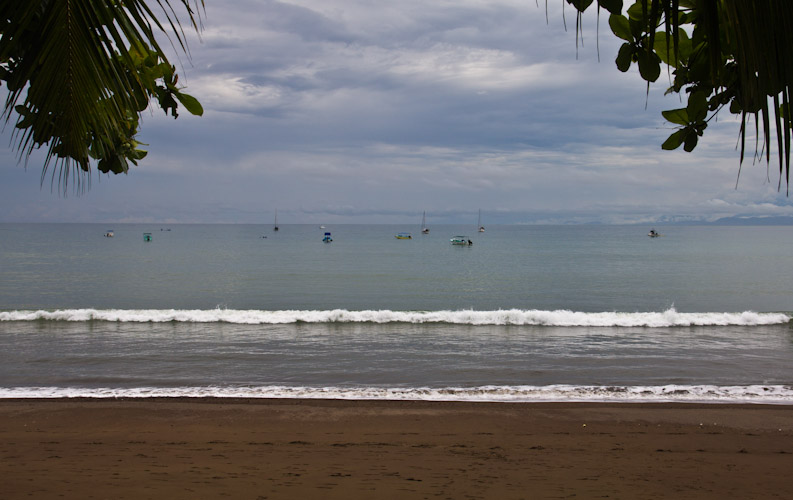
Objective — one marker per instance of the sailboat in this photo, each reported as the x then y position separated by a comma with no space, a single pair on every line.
481,227
275,223
424,228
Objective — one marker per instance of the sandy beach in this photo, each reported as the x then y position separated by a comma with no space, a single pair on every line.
273,449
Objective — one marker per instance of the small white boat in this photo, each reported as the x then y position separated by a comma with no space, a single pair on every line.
404,236
109,233
653,233
479,224
327,238
424,228
461,240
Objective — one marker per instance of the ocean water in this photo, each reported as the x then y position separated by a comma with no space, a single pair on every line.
526,313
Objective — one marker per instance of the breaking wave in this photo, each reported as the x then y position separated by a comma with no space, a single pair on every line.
765,394
561,318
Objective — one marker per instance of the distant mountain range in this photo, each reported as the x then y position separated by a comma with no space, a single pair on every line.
736,220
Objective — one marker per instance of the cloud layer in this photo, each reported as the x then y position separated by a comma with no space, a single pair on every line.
360,111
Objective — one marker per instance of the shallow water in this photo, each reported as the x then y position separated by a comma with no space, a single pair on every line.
525,313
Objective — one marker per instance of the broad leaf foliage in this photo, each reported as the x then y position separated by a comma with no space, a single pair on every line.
721,53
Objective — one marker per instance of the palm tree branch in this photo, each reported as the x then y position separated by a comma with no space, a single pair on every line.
75,66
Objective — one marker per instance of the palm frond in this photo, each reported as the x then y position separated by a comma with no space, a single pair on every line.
71,75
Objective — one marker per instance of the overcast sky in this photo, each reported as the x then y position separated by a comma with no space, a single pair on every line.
348,111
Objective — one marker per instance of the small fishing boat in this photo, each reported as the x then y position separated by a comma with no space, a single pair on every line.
479,224
653,233
146,236
424,228
404,236
461,240
109,233
275,223
327,238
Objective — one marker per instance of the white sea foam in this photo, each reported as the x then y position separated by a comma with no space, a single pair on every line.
765,394
562,318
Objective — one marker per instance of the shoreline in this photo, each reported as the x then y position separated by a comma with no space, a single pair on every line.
332,401
323,448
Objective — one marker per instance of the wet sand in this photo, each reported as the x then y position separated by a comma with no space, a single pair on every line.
288,449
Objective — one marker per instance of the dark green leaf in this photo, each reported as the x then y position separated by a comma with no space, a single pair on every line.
666,53
620,27
580,5
637,28
697,106
635,11
624,57
649,65
613,6
677,116
138,154
674,141
165,70
190,103
691,142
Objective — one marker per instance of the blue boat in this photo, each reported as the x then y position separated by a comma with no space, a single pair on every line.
327,238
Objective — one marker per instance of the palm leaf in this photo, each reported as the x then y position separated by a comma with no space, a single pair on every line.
72,71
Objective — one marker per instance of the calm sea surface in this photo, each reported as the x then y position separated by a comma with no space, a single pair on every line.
525,313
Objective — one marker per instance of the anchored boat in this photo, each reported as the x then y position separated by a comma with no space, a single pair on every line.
461,240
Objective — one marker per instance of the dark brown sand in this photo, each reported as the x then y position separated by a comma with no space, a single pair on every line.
279,449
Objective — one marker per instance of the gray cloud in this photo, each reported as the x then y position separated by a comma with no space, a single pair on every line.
364,111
